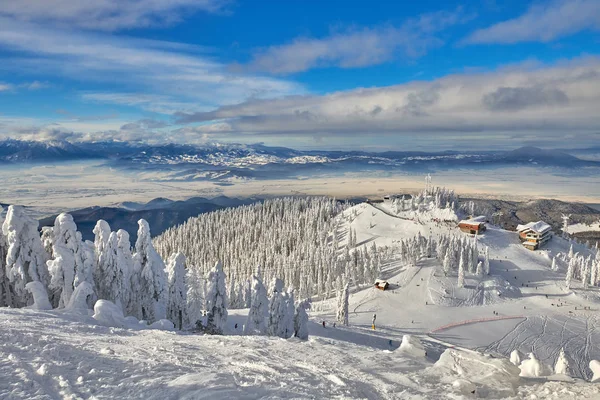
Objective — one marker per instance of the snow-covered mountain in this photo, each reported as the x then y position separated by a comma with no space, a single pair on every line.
257,156
428,335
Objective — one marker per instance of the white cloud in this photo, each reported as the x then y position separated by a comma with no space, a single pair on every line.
161,74
5,87
358,47
108,15
544,101
543,22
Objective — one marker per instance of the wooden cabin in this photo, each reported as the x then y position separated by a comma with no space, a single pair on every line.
473,225
381,284
534,234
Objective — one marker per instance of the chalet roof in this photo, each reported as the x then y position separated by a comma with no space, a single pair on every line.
538,227
474,221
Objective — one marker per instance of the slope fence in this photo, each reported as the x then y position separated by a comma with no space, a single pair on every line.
473,321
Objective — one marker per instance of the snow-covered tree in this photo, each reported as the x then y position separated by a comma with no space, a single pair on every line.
585,275
447,263
70,266
479,270
342,303
195,295
515,357
571,251
562,364
301,320
25,256
5,289
461,272
177,303
486,261
259,309
153,279
554,266
281,323
570,271
216,300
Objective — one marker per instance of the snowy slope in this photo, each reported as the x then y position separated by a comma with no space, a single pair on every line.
50,355
53,354
526,315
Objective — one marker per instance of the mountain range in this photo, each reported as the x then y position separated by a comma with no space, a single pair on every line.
226,163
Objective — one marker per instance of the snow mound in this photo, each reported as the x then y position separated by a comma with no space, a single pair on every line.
595,367
411,346
78,302
532,367
463,369
40,296
109,314
515,357
163,325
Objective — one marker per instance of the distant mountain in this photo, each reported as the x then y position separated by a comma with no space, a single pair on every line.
226,163
22,151
160,213
534,155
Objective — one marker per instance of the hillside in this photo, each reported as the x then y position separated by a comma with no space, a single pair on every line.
548,210
161,214
461,335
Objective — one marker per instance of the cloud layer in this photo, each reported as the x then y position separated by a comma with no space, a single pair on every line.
162,75
541,101
106,15
543,22
358,47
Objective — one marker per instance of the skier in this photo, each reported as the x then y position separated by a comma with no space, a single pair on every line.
374,318
323,324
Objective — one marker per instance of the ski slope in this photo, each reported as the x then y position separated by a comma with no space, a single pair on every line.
534,312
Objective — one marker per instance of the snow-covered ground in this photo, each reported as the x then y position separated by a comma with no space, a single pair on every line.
52,355
521,305
576,228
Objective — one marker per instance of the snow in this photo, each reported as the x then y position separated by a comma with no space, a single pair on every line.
539,227
411,346
492,377
576,228
109,314
468,334
595,367
531,367
40,296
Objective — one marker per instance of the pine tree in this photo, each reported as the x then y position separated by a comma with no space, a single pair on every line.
216,300
562,364
259,309
25,258
486,261
281,323
301,320
195,295
177,302
342,303
569,275
447,263
67,269
5,289
461,272
153,282
479,270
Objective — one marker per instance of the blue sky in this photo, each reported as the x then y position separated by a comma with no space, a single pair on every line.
306,74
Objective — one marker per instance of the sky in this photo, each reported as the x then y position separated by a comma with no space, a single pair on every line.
426,75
